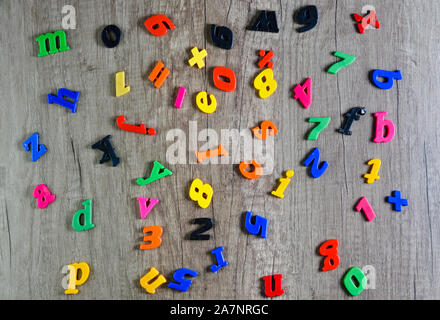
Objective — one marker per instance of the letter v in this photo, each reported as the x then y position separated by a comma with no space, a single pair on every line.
143,208
158,172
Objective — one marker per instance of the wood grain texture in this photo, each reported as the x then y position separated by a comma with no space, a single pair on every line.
35,244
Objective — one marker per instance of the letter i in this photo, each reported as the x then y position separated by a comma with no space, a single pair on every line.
284,182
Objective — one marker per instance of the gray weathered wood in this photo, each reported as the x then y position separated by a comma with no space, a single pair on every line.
35,244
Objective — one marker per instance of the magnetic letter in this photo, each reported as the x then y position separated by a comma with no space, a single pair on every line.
182,283
389,77
52,37
266,22
43,196
121,89
152,236
346,61
222,37
73,280
202,102
87,213
105,146
353,288
365,206
307,16
316,170
300,93
381,124
218,252
256,173
69,20
158,172
329,250
323,122
353,114
223,72
143,208
373,176
200,192
158,25
149,285
37,149
256,224
284,182
60,98
111,36
269,291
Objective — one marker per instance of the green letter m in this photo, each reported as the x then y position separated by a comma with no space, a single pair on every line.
41,39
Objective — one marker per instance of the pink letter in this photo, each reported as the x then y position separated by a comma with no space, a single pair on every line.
43,196
381,123
180,96
143,206
364,205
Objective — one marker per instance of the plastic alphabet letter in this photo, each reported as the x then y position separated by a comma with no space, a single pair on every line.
52,37
329,250
389,77
182,283
307,16
397,200
365,206
265,84
373,175
158,25
223,72
266,22
69,20
323,122
353,288
381,124
316,170
143,208
346,61
198,57
159,74
284,182
200,192
265,129
121,89
222,37
207,224
364,22
43,196
254,174
152,236
269,291
353,114
300,93
202,102
37,149
111,36
59,98
256,224
87,213
158,172
180,97
220,151
105,146
218,252
120,122
149,285
73,276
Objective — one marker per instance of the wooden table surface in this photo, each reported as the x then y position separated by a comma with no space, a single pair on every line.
403,247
